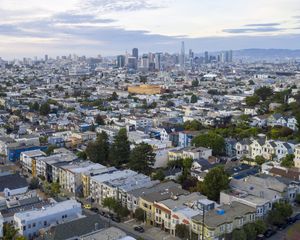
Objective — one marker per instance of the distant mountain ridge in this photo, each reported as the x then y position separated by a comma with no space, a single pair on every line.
267,53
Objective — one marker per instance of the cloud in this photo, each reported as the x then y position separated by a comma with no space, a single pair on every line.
262,25
79,18
253,30
121,5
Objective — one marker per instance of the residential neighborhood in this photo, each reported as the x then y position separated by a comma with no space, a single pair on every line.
149,148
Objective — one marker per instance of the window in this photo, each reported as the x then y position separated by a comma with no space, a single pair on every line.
24,228
33,225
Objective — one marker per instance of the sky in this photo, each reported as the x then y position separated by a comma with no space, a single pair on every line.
109,27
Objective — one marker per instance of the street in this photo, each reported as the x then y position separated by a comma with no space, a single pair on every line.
151,233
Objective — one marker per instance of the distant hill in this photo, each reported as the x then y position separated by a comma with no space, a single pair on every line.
255,53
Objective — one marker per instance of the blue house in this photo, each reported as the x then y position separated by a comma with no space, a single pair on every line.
14,152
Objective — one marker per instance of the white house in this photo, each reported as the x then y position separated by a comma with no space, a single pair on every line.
297,156
31,222
12,184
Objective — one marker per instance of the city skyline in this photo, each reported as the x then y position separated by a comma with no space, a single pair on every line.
111,27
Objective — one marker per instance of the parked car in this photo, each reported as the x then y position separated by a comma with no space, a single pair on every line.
139,229
260,237
297,217
107,215
116,219
291,220
282,226
269,233
95,210
102,213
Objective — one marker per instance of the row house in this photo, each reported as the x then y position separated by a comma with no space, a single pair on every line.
279,120
139,122
27,160
179,210
297,156
148,201
70,175
115,184
266,187
218,223
262,206
194,153
269,149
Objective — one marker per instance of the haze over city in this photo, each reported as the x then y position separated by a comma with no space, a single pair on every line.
110,27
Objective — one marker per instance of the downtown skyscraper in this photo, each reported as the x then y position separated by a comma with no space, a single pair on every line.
182,57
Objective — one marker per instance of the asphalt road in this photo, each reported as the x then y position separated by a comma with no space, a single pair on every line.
127,229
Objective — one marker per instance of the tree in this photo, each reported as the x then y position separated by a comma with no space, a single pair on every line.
98,151
251,82
250,231
159,175
239,234
45,109
82,155
35,106
121,211
120,149
34,183
114,96
280,212
192,125
260,226
139,214
187,164
55,188
116,206
195,83
99,120
9,232
215,181
182,231
264,93
109,203
252,101
170,104
142,158
288,161
260,160
143,79
194,98
50,149
210,140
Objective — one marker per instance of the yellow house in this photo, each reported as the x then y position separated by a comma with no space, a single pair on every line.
149,201
297,156
85,179
175,155
218,223
149,210
146,89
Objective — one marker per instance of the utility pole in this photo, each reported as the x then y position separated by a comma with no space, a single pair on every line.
203,213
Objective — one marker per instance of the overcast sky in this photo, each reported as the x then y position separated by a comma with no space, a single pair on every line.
109,27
